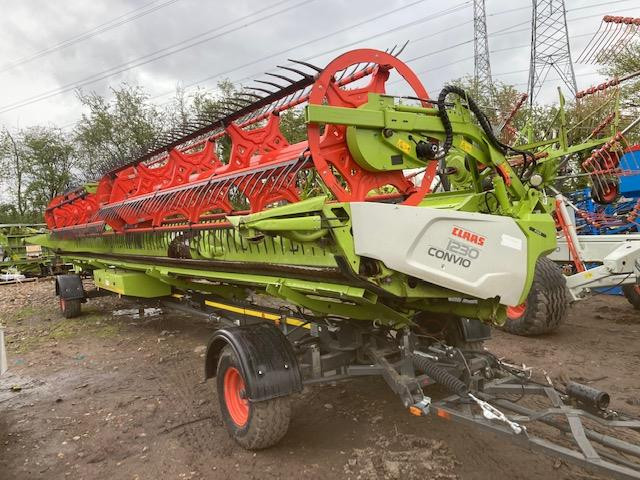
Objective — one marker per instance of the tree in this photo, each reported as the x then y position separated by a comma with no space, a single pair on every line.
113,133
293,126
12,169
49,163
38,164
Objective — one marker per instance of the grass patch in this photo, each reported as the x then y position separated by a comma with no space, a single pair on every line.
26,313
26,339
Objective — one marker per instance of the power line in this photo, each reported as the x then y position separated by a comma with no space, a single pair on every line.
103,27
506,31
503,31
152,57
110,72
93,80
434,16
425,19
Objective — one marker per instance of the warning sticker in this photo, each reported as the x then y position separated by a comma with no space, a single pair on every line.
404,146
466,146
511,242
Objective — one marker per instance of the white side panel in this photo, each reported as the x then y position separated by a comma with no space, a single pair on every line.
594,248
476,254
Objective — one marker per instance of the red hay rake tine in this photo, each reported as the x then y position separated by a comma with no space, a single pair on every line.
506,124
618,32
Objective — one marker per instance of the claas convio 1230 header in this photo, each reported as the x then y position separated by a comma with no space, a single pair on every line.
376,272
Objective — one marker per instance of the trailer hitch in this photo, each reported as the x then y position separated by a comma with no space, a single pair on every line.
599,441
492,413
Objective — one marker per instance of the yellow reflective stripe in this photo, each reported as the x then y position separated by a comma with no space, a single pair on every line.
255,313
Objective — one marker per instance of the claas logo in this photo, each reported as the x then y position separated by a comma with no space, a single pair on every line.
468,236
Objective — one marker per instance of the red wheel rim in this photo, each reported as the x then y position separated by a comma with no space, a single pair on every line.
517,311
235,397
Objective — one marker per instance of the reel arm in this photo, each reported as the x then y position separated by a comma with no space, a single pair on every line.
396,132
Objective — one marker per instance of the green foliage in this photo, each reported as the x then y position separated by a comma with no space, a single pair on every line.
9,214
38,163
496,108
113,132
49,163
292,125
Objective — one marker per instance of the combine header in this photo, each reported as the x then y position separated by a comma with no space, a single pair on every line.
377,273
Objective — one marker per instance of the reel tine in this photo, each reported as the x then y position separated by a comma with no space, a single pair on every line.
353,70
265,82
268,92
204,118
306,64
190,195
199,124
255,182
277,180
204,189
219,188
244,101
220,113
295,70
283,176
404,45
238,105
281,77
250,95
390,52
155,202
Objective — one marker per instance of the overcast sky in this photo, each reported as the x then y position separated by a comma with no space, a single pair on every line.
238,45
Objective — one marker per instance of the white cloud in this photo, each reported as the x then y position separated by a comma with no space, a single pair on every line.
31,25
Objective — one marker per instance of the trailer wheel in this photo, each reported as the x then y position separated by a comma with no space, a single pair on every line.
632,294
254,425
70,308
546,306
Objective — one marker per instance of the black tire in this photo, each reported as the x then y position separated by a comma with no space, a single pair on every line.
267,421
70,308
632,294
547,304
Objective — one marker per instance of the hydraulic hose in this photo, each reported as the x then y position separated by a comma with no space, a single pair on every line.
484,124
440,375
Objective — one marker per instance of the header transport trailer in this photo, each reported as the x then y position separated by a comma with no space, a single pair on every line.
377,274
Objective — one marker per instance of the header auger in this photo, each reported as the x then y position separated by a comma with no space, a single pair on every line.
388,276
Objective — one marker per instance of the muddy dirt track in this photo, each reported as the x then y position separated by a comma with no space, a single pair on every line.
113,396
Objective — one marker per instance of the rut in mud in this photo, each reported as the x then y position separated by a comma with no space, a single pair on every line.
118,395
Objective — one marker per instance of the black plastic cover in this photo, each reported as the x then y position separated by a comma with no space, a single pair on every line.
269,365
473,330
69,287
